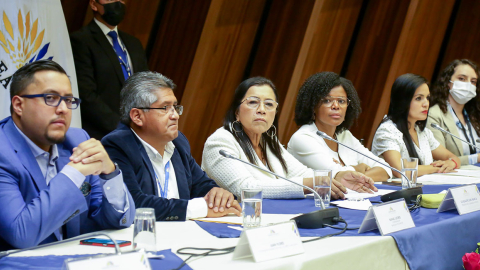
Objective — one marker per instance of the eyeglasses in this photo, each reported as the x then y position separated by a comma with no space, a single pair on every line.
254,102
328,101
166,109
55,99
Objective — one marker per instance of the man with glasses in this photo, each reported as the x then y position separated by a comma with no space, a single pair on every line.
155,157
55,182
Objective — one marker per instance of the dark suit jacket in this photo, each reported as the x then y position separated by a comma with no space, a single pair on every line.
128,152
31,212
100,77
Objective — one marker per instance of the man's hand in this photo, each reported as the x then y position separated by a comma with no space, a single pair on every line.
356,181
218,199
92,151
94,168
234,209
361,168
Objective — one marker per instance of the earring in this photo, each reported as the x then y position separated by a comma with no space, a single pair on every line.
232,127
273,133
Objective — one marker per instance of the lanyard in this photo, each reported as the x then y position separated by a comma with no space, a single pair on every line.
164,191
467,122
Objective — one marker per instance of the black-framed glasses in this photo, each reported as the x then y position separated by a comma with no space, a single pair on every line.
55,99
254,102
166,109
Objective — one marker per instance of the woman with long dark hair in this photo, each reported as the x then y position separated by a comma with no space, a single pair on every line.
329,103
403,134
249,133
456,108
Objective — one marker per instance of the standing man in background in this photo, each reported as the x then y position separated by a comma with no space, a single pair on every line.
104,58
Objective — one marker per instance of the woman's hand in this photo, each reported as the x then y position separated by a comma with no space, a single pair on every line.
361,168
356,181
445,166
338,190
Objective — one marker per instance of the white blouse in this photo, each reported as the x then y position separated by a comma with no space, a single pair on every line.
389,137
312,150
232,175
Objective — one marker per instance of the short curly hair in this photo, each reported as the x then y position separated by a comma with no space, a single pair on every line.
318,86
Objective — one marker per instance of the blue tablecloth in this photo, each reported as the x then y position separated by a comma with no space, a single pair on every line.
438,242
51,262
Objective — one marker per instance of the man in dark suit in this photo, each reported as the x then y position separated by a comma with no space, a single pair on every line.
55,182
155,157
104,58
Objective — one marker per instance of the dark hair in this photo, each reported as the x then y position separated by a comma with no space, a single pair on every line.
241,136
403,90
318,86
25,75
440,92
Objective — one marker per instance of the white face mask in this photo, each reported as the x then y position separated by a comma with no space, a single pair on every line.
463,92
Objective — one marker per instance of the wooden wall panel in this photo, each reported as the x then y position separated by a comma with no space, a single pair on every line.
323,48
418,47
465,36
280,43
176,40
218,67
74,12
372,56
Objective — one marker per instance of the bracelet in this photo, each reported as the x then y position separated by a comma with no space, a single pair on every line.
456,165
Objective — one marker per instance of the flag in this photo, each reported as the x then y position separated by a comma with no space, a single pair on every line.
32,30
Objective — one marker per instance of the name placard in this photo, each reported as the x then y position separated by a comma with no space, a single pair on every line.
269,242
124,261
388,217
465,198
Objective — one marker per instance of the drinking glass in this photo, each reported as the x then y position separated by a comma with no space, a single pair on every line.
252,207
144,229
410,170
322,184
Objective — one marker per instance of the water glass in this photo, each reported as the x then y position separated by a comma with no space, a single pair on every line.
144,229
410,170
252,207
322,184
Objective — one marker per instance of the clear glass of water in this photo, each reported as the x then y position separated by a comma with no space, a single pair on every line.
410,170
322,184
144,235
252,207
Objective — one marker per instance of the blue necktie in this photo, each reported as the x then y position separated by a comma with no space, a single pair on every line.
122,55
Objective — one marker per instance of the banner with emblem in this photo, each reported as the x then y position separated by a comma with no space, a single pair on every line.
32,30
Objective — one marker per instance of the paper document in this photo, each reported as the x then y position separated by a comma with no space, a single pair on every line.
352,194
444,178
266,219
357,205
470,173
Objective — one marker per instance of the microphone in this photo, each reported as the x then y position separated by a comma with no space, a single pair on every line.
408,194
435,126
9,252
312,220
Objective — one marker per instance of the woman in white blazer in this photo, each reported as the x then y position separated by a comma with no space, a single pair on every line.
456,108
249,133
329,103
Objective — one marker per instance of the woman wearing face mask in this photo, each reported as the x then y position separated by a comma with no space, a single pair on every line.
402,133
249,133
456,108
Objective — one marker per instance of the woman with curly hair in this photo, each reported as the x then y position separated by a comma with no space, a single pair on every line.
329,103
402,133
456,108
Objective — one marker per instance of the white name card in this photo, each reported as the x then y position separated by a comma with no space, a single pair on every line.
269,242
465,198
388,217
125,261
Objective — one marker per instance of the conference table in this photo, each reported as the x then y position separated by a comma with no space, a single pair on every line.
339,252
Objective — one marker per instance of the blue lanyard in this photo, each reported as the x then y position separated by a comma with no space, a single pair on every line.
164,191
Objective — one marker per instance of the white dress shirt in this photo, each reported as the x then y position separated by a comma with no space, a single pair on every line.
312,150
389,137
197,207
232,175
105,31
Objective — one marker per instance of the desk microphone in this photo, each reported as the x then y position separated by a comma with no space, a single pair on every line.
311,220
13,251
435,126
408,194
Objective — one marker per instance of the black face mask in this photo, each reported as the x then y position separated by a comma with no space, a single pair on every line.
114,12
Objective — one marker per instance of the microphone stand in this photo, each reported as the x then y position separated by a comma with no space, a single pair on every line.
312,220
435,126
407,193
13,251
